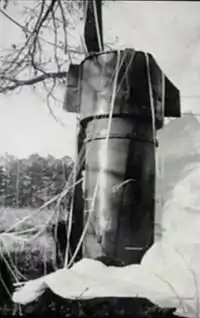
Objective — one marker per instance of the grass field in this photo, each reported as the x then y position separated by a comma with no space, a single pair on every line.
27,250
26,230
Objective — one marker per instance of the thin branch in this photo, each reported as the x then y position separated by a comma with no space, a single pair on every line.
64,25
49,9
13,21
25,29
38,25
17,83
56,41
50,94
30,56
40,14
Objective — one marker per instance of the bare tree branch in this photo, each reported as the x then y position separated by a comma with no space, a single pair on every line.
50,95
32,62
64,25
56,41
28,82
25,29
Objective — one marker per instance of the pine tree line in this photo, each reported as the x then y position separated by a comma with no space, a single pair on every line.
32,181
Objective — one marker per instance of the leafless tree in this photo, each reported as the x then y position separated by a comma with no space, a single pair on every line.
43,53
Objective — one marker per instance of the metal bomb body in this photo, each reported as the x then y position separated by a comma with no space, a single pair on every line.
123,98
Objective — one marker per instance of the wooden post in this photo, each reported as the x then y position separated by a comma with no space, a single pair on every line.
78,203
93,31
94,41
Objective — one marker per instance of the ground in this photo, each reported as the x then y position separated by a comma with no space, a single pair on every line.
22,261
24,257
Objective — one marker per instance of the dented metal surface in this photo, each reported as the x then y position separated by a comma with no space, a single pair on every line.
120,156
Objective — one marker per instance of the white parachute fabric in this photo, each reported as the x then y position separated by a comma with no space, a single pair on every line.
163,277
169,273
31,291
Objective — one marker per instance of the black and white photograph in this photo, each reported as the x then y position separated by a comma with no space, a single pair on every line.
100,158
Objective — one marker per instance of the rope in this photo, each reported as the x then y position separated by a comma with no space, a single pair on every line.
151,97
97,26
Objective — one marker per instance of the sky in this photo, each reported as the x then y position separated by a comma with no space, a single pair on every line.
26,127
168,30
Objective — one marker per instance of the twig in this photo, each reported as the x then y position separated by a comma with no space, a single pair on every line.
31,81
25,29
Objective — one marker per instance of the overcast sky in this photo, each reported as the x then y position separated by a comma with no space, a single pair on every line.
168,30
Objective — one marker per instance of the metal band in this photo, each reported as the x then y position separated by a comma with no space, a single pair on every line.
146,117
132,136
